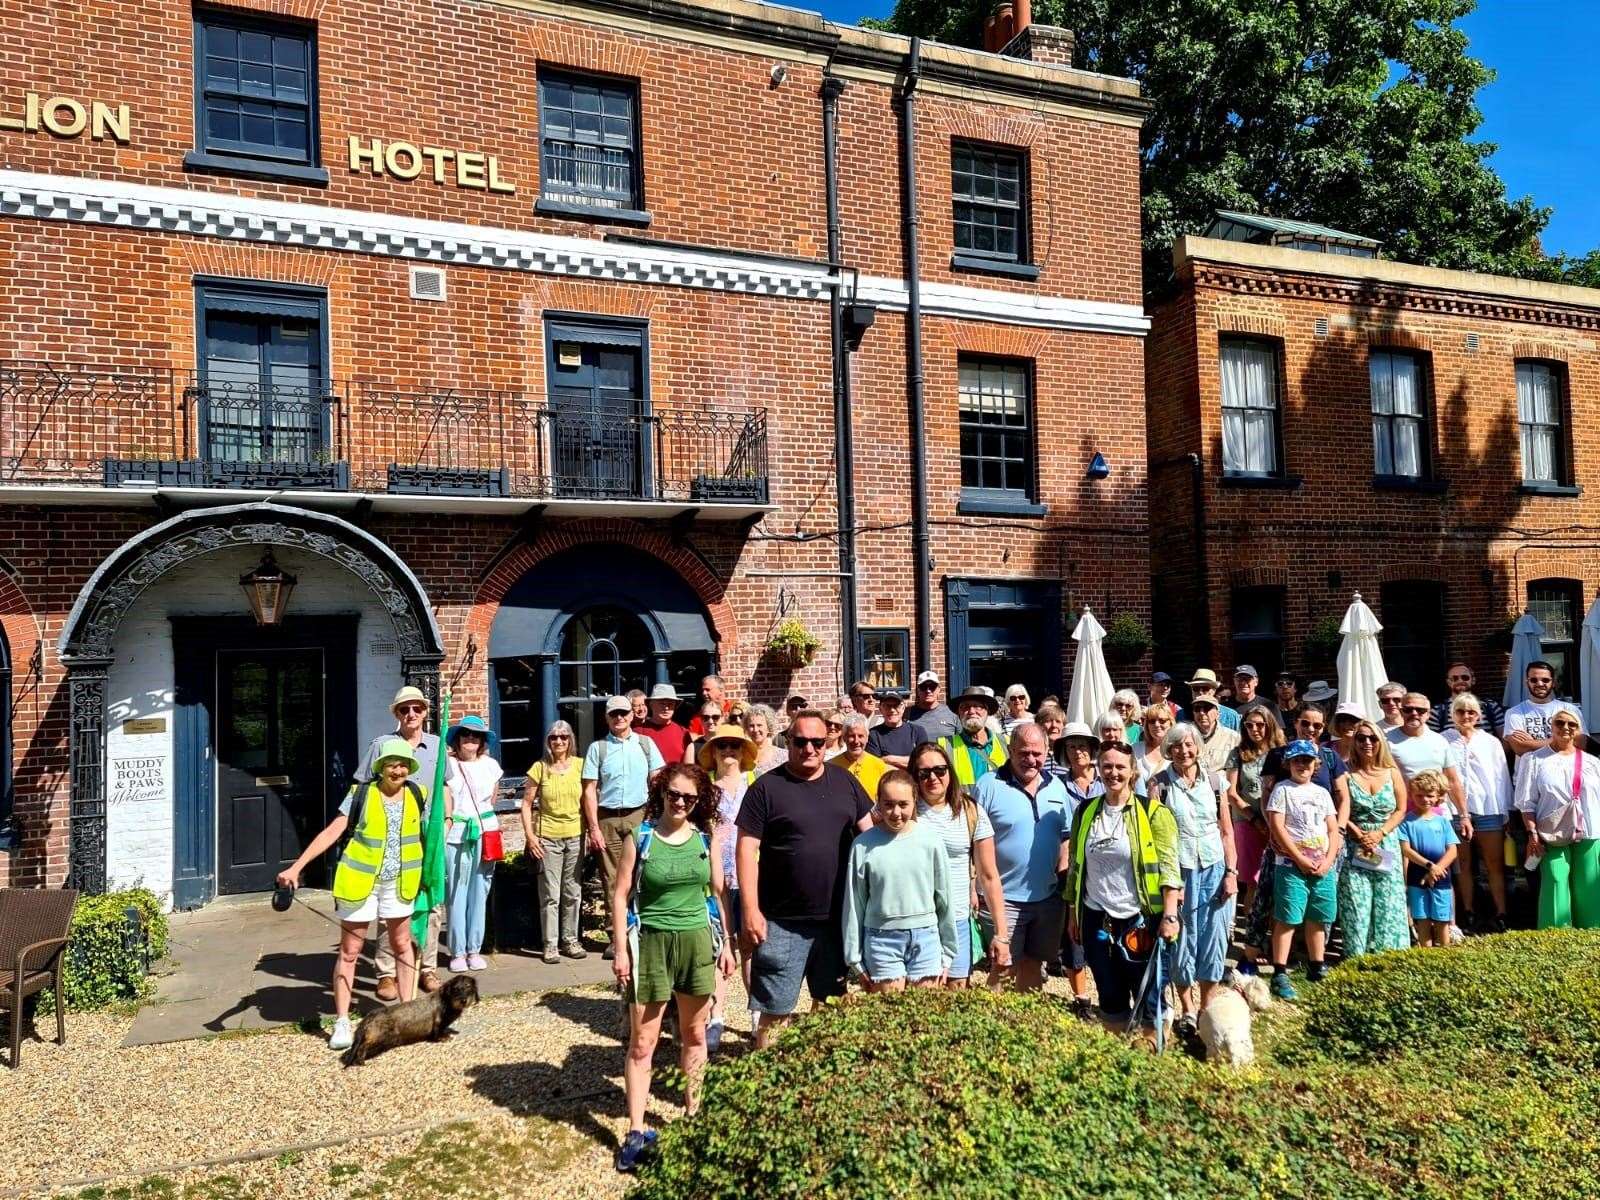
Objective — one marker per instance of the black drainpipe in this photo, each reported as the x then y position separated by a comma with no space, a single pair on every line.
921,553
843,440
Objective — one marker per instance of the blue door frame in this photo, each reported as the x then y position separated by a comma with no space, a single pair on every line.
968,601
196,641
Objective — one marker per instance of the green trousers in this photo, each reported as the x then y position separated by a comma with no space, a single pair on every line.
1569,886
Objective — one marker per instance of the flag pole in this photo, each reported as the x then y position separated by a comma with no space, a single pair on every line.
431,892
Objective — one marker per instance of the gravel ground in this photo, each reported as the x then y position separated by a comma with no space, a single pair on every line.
529,1089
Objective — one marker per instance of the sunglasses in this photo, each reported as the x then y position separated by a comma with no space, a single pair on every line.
411,708
1386,701
927,687
806,743
1565,725
558,737
1366,738
938,772
1414,710
1312,726
728,746
835,725
684,798
1460,679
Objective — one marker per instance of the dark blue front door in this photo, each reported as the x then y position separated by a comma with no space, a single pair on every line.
1001,632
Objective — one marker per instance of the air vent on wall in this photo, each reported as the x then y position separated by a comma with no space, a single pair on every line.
1472,343
427,283
1322,326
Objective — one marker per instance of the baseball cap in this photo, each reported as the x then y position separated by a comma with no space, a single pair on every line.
1246,670
927,677
1300,748
663,691
1161,677
1350,709
888,693
618,704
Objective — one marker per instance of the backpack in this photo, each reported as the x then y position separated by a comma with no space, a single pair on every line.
358,810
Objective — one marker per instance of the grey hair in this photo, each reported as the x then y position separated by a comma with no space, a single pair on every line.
764,711
1126,696
1392,686
572,739
1021,731
1181,731
1112,720
854,720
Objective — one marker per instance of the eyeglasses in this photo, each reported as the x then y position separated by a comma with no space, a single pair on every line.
411,708
935,772
683,798
1415,710
1365,738
806,743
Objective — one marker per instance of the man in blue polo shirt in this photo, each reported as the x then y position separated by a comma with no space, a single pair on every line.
1030,813
616,780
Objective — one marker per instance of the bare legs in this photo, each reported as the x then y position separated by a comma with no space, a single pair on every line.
351,938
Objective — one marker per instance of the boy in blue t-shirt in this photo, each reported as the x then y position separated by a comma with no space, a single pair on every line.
1428,845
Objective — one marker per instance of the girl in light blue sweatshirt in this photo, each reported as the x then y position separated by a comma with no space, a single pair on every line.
899,925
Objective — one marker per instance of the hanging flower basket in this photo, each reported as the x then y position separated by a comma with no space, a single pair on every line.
792,645
1126,639
1322,643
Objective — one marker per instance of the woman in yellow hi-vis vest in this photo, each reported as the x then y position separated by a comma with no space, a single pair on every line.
378,875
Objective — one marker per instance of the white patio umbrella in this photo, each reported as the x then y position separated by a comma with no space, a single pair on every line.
1527,645
1091,682
1589,667
1361,671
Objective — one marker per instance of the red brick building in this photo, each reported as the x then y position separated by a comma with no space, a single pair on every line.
552,350
1322,424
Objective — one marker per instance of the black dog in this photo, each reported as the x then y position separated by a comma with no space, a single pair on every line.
427,1018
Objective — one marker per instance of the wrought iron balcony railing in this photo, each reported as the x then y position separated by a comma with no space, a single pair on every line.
74,423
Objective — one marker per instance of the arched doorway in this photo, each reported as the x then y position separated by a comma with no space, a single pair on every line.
206,748
591,622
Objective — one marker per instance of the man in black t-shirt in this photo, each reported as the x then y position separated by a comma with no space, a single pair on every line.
796,824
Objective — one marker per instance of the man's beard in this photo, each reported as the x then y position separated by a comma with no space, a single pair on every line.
974,724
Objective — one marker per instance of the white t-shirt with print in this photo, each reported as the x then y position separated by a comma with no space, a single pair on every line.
1108,864
1306,808
1534,719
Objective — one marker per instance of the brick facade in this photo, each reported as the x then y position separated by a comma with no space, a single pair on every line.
1470,540
732,168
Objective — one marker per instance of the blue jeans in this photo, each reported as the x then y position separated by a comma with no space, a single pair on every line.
469,897
1202,952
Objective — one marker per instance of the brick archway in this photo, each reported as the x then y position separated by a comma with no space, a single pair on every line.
522,558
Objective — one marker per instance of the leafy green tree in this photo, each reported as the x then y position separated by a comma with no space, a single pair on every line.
1358,114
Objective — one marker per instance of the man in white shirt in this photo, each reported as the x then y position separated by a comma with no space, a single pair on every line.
1528,723
1390,697
1416,748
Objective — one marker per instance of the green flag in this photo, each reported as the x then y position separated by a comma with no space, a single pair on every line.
431,892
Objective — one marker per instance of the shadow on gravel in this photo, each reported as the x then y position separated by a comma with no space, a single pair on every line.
582,1083
600,1014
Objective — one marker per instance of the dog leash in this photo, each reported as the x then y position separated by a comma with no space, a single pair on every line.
1152,974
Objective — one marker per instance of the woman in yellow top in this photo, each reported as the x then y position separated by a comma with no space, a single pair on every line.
378,875
552,824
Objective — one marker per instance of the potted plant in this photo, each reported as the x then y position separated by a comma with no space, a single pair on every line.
1322,643
792,645
1126,639
1501,636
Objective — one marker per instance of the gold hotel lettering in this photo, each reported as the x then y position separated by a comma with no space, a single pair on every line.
67,118
403,160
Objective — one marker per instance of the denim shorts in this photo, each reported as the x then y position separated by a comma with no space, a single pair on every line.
1487,823
913,954
961,967
1035,927
794,952
1436,903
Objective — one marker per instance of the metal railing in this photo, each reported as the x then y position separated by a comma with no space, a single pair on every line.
133,426
585,174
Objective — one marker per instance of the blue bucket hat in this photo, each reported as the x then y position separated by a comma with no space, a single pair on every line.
1301,748
472,723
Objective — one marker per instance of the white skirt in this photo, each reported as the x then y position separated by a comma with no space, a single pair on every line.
384,904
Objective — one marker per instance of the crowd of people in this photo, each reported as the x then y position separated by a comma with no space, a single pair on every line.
896,840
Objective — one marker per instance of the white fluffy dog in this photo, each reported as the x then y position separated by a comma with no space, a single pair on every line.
1224,1025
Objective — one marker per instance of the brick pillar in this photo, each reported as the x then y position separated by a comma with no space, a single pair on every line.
1048,45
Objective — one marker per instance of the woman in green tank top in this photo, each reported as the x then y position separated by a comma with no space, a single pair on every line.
666,875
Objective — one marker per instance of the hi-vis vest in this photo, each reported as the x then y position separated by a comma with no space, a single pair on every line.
357,873
1142,839
961,753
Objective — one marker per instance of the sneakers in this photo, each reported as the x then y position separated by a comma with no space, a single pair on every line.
1316,972
713,1035
551,958
1498,923
476,962
574,950
1187,1026
458,964
635,1146
344,1035
1083,1008
388,990
1282,989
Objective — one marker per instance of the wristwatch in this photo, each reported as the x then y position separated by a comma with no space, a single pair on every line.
1004,941
1230,871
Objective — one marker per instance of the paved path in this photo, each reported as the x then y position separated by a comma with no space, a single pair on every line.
236,964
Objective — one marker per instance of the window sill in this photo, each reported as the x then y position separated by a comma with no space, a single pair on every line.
993,266
1279,482
1410,483
1530,487
591,212
254,168
999,506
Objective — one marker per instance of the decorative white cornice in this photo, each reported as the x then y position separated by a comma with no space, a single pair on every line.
280,223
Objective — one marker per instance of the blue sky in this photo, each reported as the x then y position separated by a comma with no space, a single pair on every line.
1543,110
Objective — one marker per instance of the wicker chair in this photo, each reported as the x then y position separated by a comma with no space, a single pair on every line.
34,924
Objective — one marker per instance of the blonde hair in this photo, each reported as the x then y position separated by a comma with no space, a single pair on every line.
1428,783
1159,709
1380,752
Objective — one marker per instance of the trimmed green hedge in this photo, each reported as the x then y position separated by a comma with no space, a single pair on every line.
1530,998
972,1094
100,970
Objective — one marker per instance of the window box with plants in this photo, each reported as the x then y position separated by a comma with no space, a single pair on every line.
792,645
